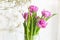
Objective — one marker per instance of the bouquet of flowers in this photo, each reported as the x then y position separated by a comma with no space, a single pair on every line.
33,23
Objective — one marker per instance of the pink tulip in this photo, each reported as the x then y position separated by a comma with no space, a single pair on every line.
42,23
25,15
33,8
46,13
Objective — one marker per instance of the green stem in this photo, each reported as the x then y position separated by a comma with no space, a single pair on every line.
34,22
26,31
28,25
27,34
35,30
31,35
32,27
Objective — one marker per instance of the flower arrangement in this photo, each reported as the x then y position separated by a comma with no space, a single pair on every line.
33,23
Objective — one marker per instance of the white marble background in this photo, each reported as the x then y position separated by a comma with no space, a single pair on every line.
11,27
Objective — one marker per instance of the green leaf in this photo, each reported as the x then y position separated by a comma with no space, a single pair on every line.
37,30
53,14
24,24
50,17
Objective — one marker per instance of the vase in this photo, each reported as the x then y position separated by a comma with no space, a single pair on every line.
28,37
36,37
